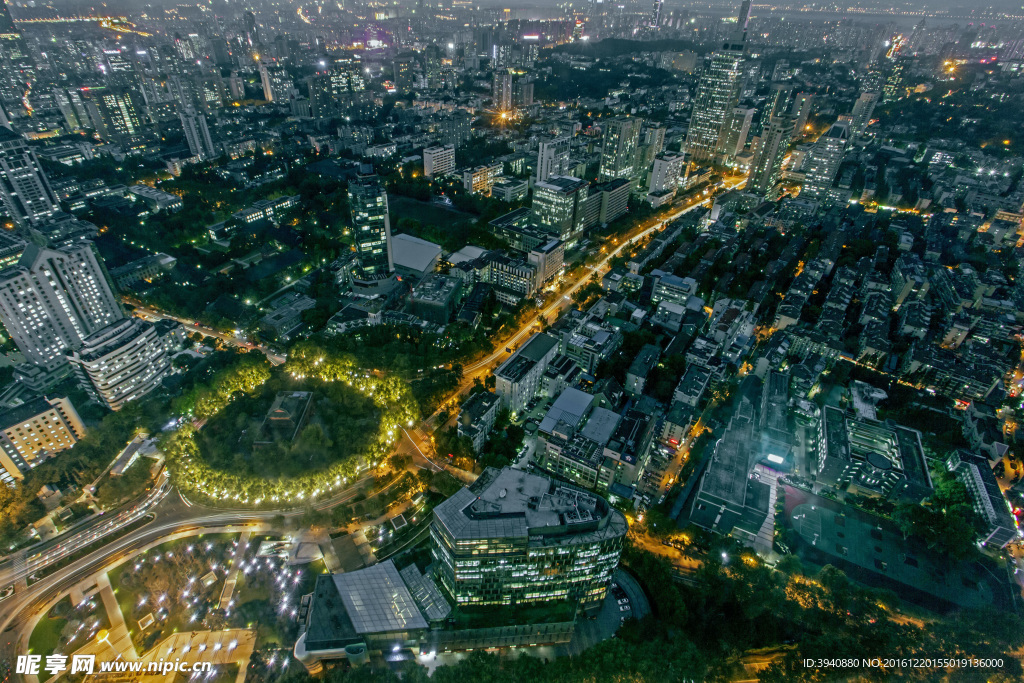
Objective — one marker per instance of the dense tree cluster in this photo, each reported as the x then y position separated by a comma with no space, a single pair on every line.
307,361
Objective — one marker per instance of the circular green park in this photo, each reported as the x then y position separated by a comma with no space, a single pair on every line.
280,437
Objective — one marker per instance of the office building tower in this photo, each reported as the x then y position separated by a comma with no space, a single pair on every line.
738,131
71,108
553,157
35,431
558,206
656,13
17,59
277,84
522,93
403,71
618,148
861,115
519,539
665,173
717,95
824,160
52,300
121,362
778,102
801,111
24,188
252,31
894,83
650,144
368,202
197,134
438,161
501,91
767,167
115,115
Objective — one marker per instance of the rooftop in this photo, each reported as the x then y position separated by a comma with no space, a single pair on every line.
570,407
514,504
414,253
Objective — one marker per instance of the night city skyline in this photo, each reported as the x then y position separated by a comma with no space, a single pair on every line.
443,340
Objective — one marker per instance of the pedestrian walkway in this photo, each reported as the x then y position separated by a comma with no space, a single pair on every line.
232,578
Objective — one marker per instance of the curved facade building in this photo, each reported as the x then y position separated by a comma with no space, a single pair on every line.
518,538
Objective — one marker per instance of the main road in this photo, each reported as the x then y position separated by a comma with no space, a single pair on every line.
483,366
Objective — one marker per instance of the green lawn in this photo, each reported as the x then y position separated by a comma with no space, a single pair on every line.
46,636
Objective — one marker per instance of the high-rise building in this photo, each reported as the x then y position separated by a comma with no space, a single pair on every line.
618,147
894,88
801,110
121,362
53,299
861,115
368,202
403,71
767,167
824,160
558,206
19,68
438,161
738,131
501,91
553,157
34,431
778,101
520,538
197,134
656,13
522,92
665,172
252,30
115,114
277,85
717,95
24,189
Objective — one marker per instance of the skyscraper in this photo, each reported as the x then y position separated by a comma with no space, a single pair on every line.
368,202
656,13
767,167
801,110
115,114
665,172
717,95
197,133
861,115
553,157
824,160
739,128
24,189
618,147
501,91
52,300
277,86
252,30
121,362
558,206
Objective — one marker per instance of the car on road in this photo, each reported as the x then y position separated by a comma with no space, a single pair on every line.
624,601
623,608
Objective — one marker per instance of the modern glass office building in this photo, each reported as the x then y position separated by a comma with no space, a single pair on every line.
519,538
